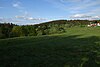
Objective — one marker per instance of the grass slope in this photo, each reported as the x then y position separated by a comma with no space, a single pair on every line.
78,47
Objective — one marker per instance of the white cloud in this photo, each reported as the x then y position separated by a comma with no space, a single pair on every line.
8,20
95,17
17,5
31,18
28,18
20,17
80,16
1,19
84,16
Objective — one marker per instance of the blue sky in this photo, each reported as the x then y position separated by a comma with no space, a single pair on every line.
37,11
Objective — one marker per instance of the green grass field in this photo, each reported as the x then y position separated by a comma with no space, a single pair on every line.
78,47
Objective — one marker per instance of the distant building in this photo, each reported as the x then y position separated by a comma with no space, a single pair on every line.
93,24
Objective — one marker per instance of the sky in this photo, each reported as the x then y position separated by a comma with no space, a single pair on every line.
24,12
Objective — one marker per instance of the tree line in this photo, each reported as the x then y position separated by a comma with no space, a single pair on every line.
9,30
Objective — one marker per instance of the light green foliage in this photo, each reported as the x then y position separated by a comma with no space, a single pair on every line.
17,31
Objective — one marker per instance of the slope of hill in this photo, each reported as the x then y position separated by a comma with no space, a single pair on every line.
9,30
78,47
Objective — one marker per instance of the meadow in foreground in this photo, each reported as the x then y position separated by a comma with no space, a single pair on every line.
78,47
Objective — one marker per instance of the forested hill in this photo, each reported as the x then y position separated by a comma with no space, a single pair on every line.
9,30
76,22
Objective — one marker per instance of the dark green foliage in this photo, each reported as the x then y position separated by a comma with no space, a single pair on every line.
5,29
2,36
25,30
91,62
31,30
42,30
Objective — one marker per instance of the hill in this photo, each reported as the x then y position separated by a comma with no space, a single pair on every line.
9,30
76,22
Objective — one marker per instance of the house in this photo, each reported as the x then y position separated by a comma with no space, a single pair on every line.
93,24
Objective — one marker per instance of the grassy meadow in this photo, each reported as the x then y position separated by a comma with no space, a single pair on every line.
77,47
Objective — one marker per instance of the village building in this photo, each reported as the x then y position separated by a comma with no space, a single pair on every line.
93,24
